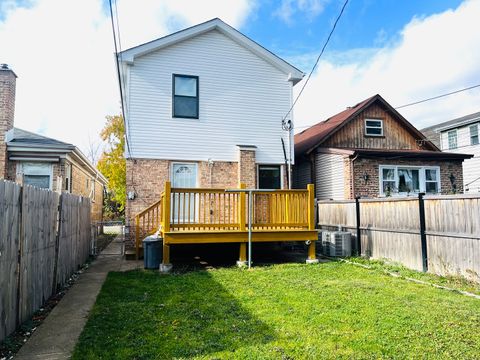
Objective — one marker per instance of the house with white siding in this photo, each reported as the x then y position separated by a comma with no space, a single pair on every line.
204,108
461,135
370,150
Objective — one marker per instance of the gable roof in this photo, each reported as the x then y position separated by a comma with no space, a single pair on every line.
451,124
129,55
28,139
22,144
307,140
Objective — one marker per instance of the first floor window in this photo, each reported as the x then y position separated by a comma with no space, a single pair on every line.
185,96
269,177
406,180
37,174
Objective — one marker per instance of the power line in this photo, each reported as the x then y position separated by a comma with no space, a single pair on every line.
414,103
119,75
438,96
316,62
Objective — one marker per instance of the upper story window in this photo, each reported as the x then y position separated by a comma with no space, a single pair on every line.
474,134
452,139
373,127
185,96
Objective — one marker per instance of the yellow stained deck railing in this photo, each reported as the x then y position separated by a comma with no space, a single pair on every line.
148,222
215,210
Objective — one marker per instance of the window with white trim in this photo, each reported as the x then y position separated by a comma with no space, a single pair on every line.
474,134
405,180
37,174
452,139
374,127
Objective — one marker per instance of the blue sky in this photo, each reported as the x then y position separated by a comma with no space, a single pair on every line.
405,50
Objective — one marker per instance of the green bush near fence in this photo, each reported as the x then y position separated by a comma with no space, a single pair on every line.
332,310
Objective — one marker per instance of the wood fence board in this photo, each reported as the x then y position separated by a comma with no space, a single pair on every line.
28,253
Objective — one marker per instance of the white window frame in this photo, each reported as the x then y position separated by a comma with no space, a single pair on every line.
421,178
282,175
46,171
373,127
456,139
476,127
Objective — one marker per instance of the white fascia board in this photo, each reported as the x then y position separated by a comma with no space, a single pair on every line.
458,125
294,75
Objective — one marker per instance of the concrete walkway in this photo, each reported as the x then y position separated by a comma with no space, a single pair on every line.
56,337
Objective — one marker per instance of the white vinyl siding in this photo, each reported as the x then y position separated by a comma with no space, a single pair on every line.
330,170
471,167
242,101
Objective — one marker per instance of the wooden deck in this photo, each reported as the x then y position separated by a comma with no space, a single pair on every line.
200,216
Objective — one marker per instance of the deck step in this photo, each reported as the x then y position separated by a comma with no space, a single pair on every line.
130,254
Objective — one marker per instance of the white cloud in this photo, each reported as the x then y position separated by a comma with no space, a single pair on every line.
62,52
434,55
308,8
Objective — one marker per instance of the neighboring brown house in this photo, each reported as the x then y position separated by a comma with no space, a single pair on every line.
40,161
370,150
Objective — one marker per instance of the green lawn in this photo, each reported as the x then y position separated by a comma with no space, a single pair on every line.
293,311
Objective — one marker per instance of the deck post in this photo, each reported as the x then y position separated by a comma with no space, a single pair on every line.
312,256
137,237
242,259
242,208
166,206
165,266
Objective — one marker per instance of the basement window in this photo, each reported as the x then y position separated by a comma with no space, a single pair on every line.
373,127
185,96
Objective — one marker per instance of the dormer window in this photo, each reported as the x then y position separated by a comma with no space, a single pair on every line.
373,127
185,96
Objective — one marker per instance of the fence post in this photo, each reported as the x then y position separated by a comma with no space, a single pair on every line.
359,232
57,244
423,236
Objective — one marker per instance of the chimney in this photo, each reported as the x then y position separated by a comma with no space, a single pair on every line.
7,109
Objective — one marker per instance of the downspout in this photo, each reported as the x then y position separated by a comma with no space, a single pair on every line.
287,167
352,176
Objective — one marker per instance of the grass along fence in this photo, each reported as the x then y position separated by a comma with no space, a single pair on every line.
439,234
44,238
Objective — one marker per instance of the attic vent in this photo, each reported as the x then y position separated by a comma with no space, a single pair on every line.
4,66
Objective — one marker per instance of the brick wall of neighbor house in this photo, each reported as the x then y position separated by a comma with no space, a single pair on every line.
80,187
7,109
347,183
371,167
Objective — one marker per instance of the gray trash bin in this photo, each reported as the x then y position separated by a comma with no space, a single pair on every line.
152,252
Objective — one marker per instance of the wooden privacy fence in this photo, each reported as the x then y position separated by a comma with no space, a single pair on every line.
44,238
440,234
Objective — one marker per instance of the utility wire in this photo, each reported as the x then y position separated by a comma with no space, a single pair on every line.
119,77
316,62
437,97
414,103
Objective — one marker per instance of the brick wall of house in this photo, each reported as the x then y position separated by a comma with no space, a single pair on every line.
371,188
247,172
347,180
7,109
